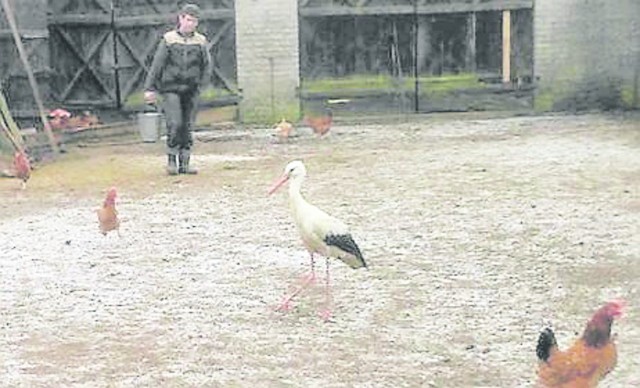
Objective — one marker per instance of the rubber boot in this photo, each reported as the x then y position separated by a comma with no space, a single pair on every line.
184,168
172,168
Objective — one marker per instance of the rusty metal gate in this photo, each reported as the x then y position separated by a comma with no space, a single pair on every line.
414,55
101,50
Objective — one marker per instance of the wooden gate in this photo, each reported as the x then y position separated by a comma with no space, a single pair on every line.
101,50
13,77
413,55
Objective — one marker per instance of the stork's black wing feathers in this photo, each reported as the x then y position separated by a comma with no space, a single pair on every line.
345,242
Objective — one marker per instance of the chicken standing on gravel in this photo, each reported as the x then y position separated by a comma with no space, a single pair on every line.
22,167
108,215
320,232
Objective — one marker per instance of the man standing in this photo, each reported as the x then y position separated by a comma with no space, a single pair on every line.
180,69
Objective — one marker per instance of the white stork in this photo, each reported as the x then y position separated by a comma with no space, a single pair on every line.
321,233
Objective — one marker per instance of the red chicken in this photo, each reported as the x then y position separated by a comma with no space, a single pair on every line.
320,124
108,215
23,167
588,360
284,129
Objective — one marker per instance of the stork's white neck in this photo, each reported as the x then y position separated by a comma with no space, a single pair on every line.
295,196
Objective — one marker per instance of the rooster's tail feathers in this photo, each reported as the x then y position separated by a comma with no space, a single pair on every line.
546,344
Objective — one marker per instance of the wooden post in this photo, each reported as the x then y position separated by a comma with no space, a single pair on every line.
471,42
32,79
506,46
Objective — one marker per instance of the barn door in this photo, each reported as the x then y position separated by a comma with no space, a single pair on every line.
101,50
356,56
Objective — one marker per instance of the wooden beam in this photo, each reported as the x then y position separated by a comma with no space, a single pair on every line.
8,11
423,9
105,8
9,125
219,34
506,46
471,42
141,68
14,64
85,61
25,34
130,21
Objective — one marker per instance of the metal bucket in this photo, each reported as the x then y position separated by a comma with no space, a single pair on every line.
149,126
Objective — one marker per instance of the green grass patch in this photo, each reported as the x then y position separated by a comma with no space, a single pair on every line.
430,84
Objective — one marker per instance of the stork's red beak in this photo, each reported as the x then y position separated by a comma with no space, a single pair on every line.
276,185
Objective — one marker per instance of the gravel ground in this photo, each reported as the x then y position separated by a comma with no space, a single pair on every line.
479,232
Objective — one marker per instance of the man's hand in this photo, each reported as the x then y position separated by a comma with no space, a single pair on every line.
150,97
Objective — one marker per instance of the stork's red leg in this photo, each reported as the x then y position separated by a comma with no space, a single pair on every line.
311,276
306,282
286,303
325,313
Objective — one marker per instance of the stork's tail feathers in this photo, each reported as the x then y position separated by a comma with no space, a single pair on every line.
546,344
352,257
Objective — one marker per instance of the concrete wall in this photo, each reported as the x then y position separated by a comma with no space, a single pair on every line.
587,54
267,59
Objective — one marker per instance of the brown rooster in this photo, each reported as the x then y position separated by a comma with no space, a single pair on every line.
587,361
108,215
320,124
23,167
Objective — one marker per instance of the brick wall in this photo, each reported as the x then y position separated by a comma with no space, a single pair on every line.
587,53
267,59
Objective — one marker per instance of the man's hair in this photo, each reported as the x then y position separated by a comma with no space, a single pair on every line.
191,10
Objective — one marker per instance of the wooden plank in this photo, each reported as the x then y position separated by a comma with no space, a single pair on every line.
228,3
102,5
335,10
15,65
141,68
219,34
85,60
25,34
506,46
471,42
153,5
227,83
130,21
9,125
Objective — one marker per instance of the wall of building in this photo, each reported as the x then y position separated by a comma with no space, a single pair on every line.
587,54
267,53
